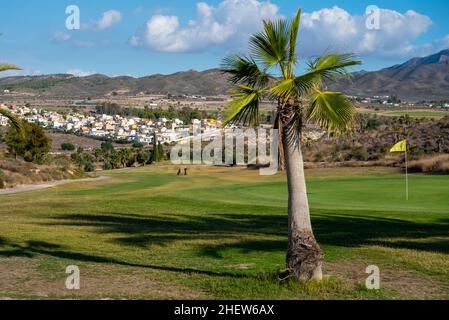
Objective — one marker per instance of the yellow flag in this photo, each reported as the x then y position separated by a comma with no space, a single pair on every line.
400,147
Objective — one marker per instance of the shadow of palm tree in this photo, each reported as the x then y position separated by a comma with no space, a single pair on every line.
33,248
331,228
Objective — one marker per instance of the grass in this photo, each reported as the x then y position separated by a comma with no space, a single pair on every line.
416,114
221,233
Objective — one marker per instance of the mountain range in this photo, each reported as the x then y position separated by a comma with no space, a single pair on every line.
425,78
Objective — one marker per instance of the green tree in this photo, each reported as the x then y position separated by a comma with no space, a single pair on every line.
114,159
84,161
31,142
298,98
156,155
99,154
125,155
143,157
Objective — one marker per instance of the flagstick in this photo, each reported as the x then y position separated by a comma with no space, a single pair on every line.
406,174
406,164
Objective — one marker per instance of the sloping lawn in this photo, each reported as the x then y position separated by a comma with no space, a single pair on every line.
222,233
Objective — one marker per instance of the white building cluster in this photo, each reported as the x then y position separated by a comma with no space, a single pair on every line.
112,127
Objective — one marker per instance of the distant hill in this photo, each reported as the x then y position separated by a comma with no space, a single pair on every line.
424,78
207,83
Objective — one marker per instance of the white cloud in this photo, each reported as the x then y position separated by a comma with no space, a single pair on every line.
109,19
80,73
336,29
227,25
60,36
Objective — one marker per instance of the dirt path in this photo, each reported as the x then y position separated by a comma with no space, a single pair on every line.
32,187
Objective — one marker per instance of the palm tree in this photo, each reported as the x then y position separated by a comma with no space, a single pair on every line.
14,121
298,99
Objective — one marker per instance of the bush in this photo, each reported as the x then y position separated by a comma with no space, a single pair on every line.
436,164
143,157
107,146
89,167
359,153
67,146
84,161
374,123
137,145
107,165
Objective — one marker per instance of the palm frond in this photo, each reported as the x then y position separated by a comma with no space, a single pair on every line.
321,69
270,46
6,67
298,86
12,118
294,29
331,110
244,109
330,65
244,70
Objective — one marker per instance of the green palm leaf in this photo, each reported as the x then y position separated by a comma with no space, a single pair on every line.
275,47
244,109
292,58
323,68
13,119
331,65
6,67
243,70
270,47
297,86
331,110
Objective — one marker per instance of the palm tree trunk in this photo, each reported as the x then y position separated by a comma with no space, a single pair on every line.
304,256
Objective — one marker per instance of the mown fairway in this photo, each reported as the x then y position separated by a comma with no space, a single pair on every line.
221,233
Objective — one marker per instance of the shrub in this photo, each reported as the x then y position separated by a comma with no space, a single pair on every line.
143,157
373,123
319,156
89,167
359,153
137,145
107,165
67,146
107,146
436,164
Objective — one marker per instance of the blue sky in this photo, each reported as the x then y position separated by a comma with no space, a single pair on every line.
139,38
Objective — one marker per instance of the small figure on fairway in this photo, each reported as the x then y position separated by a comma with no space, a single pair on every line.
185,171
179,172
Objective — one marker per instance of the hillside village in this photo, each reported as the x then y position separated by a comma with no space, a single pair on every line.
113,127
